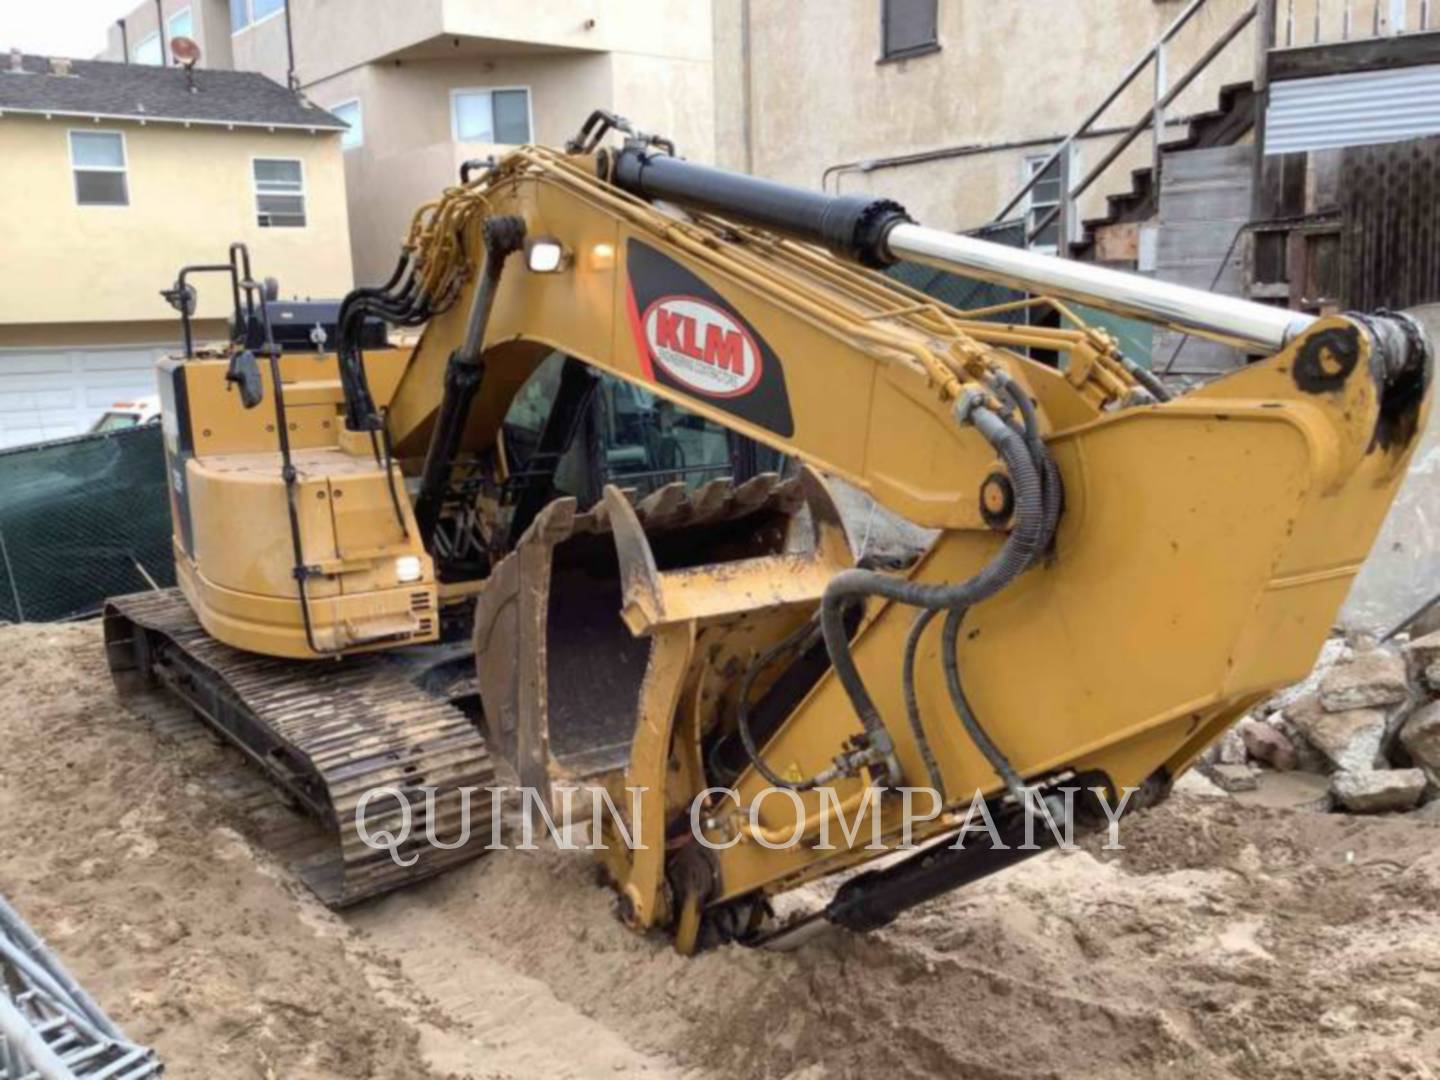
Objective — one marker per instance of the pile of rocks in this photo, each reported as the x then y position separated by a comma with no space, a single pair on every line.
1368,718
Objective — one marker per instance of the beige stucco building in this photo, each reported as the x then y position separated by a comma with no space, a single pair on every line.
428,84
946,118
113,177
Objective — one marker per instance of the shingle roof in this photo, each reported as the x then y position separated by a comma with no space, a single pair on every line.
141,92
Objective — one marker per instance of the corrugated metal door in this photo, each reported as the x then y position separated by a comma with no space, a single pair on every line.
52,393
1356,109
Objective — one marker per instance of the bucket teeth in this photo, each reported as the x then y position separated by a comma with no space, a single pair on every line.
710,502
666,507
673,507
757,491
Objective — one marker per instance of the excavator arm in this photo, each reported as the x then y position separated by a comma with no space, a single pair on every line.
1204,546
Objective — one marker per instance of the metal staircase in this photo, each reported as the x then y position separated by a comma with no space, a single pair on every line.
1288,24
1165,91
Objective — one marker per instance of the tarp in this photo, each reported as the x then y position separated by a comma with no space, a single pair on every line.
82,519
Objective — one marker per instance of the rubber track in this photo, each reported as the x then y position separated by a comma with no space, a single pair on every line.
326,732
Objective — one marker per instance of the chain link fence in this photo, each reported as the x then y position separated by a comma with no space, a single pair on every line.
82,519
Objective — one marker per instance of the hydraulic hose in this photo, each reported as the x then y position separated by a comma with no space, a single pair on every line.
1020,549
950,661
1149,381
797,641
1051,489
912,703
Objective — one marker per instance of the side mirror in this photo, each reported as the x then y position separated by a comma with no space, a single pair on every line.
181,298
244,372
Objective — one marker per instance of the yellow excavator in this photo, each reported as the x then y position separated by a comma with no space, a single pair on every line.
1115,576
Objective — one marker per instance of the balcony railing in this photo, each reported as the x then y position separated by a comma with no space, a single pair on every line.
1324,22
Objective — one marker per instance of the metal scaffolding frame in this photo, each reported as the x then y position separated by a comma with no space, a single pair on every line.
50,1029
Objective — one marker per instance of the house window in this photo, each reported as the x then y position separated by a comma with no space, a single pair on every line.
244,13
181,24
149,51
908,28
349,111
98,160
279,193
491,116
1044,197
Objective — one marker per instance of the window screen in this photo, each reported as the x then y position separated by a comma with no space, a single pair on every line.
909,27
512,116
279,193
98,158
1044,197
492,116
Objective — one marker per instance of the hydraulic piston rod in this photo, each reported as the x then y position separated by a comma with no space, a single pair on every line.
878,232
1177,307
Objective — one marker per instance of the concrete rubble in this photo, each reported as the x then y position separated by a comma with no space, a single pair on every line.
1233,778
1420,739
1375,790
1360,734
1371,679
1423,659
1268,744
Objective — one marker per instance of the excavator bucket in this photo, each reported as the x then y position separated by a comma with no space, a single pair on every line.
559,664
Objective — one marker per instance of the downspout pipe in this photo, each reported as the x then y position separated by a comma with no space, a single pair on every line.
290,80
160,33
124,41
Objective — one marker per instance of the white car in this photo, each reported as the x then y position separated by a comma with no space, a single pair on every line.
128,414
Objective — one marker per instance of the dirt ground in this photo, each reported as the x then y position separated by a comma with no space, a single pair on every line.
1224,941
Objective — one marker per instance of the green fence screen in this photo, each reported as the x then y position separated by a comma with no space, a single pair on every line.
82,519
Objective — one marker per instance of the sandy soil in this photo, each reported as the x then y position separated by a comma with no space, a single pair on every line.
1224,941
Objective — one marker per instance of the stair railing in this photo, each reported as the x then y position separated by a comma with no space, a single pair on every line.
1154,120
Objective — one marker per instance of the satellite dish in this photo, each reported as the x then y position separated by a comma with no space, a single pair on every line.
185,51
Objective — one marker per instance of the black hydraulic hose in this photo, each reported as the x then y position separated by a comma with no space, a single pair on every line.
797,641
1052,492
1149,381
388,466
948,656
360,411
1017,553
912,704
356,294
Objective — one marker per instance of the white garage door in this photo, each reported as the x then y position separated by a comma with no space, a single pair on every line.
51,393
